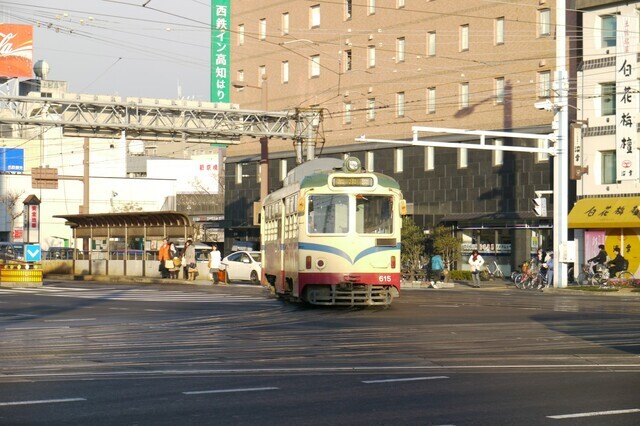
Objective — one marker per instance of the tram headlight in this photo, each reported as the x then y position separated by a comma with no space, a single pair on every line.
352,164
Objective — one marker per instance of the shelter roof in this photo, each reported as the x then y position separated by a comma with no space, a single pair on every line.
132,224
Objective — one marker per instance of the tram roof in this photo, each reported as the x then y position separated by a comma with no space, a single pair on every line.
321,179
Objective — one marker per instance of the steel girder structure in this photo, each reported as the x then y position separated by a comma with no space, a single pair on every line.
162,121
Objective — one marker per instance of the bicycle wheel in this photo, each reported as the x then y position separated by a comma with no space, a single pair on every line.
625,275
583,279
519,280
601,280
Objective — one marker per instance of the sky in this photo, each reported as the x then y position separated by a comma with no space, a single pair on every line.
120,47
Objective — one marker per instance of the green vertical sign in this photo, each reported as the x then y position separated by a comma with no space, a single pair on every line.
220,50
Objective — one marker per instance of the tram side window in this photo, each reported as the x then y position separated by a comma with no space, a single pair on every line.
374,214
328,214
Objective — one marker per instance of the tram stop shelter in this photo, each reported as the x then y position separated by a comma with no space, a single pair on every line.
120,244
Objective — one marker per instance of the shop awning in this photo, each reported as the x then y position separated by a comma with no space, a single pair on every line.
597,213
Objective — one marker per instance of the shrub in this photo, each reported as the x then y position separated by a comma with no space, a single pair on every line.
460,275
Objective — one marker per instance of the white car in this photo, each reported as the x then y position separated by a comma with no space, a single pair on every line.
243,265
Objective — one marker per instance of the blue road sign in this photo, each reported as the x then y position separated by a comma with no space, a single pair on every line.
32,253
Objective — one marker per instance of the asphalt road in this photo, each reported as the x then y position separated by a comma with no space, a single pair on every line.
117,354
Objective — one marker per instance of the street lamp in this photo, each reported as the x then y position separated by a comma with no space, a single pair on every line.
264,90
264,141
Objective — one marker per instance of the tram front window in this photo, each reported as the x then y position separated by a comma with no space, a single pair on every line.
374,214
328,214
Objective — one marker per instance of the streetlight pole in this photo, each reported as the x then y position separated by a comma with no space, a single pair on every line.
264,140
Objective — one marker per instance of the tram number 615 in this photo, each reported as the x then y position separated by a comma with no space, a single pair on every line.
384,278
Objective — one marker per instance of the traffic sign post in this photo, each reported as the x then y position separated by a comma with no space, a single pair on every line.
32,253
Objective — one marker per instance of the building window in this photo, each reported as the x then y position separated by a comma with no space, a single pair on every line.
400,49
608,98
499,31
464,96
542,156
371,109
499,90
347,113
285,23
371,56
369,161
544,22
285,72
238,173
348,9
431,43
463,158
371,7
498,156
240,75
262,72
429,153
400,4
431,100
398,160
347,64
608,31
259,173
283,169
262,29
544,84
314,66
400,104
240,34
608,164
464,38
314,16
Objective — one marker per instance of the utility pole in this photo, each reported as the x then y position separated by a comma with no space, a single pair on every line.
561,160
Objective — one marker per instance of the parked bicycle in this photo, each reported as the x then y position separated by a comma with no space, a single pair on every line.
496,272
593,275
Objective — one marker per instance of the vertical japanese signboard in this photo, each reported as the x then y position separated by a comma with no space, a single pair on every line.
31,214
627,154
220,50
16,50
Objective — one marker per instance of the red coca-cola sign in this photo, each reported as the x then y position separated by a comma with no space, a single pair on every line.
16,50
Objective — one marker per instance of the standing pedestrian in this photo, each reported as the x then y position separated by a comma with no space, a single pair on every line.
214,263
190,259
163,257
437,265
550,267
475,261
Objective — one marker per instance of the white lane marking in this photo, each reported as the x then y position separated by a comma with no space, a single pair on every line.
38,328
155,310
70,320
595,413
407,379
43,401
438,306
230,390
18,315
633,367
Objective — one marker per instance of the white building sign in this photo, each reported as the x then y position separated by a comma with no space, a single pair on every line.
627,154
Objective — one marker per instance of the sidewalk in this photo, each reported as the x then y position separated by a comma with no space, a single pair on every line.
508,285
127,279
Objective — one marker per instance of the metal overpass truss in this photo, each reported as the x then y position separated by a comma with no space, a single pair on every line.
163,121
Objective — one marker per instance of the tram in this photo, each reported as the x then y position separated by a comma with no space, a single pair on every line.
331,235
